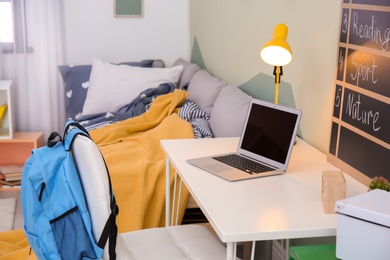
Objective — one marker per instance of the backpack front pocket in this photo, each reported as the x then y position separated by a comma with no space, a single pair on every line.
71,236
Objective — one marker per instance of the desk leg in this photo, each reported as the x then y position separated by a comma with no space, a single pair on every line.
287,251
177,203
167,191
170,215
231,250
253,250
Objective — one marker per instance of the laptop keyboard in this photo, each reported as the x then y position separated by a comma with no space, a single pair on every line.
243,163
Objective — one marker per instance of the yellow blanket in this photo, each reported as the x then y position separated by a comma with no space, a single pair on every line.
136,161
14,246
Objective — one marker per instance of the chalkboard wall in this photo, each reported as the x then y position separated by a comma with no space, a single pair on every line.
360,129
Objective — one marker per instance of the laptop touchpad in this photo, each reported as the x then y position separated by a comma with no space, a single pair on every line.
217,167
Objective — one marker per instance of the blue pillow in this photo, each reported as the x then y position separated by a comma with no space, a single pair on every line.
76,81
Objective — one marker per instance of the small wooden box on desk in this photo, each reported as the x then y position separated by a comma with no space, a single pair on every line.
18,149
333,189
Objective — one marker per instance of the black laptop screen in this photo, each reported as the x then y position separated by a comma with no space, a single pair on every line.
268,132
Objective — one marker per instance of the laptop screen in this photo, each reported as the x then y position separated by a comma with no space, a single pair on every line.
270,130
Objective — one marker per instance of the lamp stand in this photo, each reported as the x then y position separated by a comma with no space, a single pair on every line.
278,72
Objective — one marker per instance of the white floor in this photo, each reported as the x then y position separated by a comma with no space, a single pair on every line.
10,210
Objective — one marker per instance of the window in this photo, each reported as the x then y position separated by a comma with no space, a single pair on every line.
12,26
6,24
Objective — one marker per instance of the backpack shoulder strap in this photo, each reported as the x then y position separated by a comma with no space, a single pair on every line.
53,139
71,130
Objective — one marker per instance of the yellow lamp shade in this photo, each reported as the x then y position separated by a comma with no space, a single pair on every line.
277,52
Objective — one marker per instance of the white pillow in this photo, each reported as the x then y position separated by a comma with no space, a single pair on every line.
113,86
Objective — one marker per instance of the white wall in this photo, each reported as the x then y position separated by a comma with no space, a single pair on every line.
231,33
91,30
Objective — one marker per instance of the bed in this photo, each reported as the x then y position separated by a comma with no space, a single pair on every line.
129,107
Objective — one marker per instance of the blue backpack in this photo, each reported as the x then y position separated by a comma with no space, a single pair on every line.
56,218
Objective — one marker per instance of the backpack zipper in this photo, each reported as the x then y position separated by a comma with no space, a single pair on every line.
43,185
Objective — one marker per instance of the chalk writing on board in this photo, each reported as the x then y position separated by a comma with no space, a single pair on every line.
370,29
360,131
367,114
355,111
337,101
344,25
341,63
363,71
368,71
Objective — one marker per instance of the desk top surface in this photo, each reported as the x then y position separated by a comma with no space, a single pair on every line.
275,207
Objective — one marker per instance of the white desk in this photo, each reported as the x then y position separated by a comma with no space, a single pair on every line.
276,207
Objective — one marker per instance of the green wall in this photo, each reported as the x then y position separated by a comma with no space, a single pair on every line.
227,36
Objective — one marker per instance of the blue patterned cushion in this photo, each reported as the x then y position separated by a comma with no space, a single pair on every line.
76,82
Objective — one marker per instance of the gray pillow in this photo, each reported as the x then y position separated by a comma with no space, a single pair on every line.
229,112
158,63
189,70
204,89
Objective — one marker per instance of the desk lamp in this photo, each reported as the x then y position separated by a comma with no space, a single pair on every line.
277,52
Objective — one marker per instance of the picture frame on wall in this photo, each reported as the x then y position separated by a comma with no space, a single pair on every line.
129,8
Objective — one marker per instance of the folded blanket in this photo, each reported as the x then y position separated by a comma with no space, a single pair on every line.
142,103
162,107
136,161
135,108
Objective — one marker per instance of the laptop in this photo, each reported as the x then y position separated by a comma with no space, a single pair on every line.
267,139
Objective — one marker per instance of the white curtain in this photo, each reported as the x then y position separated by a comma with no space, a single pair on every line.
38,95
1,63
